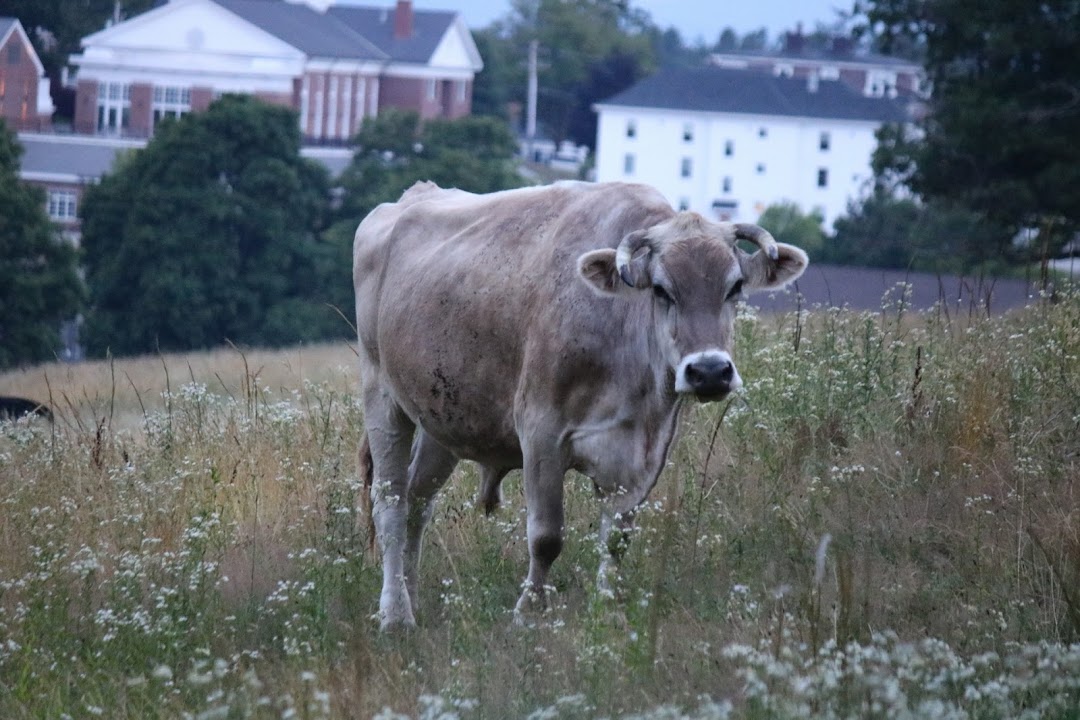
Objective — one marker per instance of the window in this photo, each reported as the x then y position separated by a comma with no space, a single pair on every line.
14,53
880,83
823,141
725,186
686,168
829,73
729,148
631,129
684,203
688,133
170,102
763,132
430,88
628,164
784,70
760,168
113,107
822,178
62,204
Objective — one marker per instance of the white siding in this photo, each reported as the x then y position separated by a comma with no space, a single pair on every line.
789,152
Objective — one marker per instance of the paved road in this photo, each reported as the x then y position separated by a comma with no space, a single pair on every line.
865,288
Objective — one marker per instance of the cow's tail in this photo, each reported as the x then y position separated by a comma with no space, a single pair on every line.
367,477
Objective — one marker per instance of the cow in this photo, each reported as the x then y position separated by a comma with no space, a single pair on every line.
547,329
13,408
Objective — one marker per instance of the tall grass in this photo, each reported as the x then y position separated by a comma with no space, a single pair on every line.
884,523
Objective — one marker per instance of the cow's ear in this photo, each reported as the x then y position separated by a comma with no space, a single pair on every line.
597,268
762,273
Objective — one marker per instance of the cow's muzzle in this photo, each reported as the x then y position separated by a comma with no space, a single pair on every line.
709,375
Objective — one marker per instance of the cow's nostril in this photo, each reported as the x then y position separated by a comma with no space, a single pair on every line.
727,372
693,374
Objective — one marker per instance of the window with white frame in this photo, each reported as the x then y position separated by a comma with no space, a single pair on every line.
880,83
829,72
763,132
824,141
688,133
63,205
462,86
684,203
113,107
631,129
430,88
784,70
170,102
628,164
822,177
729,148
686,167
725,185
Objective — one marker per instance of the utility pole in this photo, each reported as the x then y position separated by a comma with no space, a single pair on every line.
530,111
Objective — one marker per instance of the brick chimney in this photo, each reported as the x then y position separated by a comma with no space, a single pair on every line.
794,41
403,20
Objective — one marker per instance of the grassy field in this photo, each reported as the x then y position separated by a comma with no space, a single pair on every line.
885,523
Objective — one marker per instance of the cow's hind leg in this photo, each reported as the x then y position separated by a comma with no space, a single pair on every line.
490,496
389,434
431,466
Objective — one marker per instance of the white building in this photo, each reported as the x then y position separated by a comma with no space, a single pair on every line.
335,63
729,143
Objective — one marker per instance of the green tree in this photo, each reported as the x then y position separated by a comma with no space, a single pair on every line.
1002,135
584,49
787,223
211,233
494,86
394,151
39,281
886,231
56,27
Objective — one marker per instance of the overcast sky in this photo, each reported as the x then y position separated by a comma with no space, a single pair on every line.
693,19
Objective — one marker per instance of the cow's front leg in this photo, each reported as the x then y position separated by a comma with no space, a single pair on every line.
389,434
616,522
543,481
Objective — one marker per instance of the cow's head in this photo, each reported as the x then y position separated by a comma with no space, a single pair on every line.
693,273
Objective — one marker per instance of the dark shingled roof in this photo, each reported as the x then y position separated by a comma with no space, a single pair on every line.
86,158
820,56
311,32
720,90
377,25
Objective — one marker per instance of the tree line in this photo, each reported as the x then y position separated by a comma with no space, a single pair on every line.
219,229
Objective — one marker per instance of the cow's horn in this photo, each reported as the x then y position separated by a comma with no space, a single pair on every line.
759,236
624,254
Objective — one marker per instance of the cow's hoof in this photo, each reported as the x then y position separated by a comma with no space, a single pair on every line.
396,625
395,612
531,606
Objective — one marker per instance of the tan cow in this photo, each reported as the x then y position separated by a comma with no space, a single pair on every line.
545,329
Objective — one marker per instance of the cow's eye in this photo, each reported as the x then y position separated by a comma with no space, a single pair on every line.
736,290
662,294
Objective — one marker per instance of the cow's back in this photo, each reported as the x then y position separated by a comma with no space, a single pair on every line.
465,302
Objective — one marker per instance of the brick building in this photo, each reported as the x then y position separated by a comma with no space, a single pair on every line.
334,64
25,103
